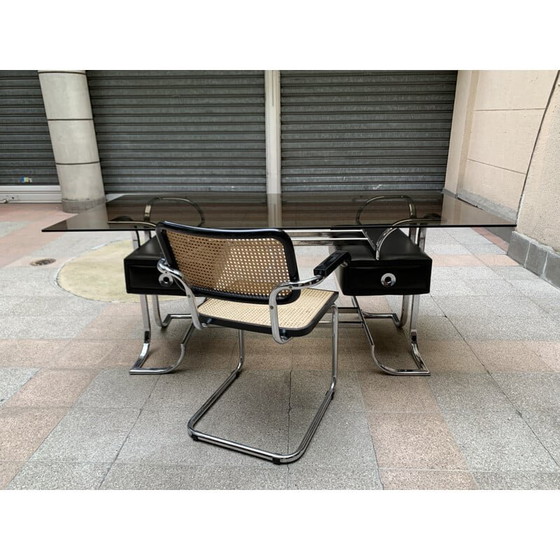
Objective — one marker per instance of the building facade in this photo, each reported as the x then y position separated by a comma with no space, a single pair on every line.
490,137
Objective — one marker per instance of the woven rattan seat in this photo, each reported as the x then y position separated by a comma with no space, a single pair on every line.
296,318
250,282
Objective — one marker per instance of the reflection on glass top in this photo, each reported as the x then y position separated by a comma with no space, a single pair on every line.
290,210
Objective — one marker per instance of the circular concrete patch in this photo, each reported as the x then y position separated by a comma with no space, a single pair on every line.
98,274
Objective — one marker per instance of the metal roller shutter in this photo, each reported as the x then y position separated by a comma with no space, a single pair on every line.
26,154
177,130
362,130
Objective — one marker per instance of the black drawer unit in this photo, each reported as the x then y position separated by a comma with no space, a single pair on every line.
141,273
402,269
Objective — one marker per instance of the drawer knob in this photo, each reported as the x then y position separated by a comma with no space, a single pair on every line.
388,280
165,280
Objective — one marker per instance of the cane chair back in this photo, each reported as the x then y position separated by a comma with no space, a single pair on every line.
240,265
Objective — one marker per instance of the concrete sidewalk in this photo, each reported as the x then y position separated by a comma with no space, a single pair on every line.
71,417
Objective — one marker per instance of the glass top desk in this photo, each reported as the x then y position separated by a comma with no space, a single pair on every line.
291,211
312,217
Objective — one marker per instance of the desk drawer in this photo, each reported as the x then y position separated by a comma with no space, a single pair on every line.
403,269
141,273
395,277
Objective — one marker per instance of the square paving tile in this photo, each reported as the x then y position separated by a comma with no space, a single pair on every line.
498,304
30,353
307,389
88,435
315,353
404,479
185,389
517,481
36,282
333,478
498,441
23,430
548,352
124,476
48,327
54,306
414,441
12,379
116,388
110,326
55,475
508,356
497,260
387,393
512,328
8,469
262,352
468,391
258,392
8,227
84,354
536,287
531,391
53,387
342,440
449,356
546,426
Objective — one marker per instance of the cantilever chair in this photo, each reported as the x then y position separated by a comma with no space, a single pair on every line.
250,281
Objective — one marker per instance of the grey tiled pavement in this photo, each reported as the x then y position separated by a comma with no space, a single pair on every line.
71,417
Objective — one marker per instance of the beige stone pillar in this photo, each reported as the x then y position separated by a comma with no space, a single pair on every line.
68,109
272,127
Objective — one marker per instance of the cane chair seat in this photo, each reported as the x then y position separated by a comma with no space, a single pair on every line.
295,319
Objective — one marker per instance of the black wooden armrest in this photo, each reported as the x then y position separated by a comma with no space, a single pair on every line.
333,261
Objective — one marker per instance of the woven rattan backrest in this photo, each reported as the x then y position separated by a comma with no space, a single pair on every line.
241,265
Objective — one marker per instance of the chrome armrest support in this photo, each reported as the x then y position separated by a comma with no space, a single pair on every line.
167,277
322,271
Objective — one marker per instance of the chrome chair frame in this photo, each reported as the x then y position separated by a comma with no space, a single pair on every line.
170,274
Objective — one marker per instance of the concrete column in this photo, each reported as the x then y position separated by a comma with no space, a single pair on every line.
68,109
272,127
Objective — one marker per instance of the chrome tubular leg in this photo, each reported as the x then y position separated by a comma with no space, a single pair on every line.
164,323
157,312
147,333
421,238
422,369
276,458
199,414
137,368
334,318
398,321
404,312
413,334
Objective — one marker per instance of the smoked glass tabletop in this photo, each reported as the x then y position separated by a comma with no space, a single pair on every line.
291,210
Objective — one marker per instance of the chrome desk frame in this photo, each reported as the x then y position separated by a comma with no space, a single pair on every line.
314,213
407,318
137,367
